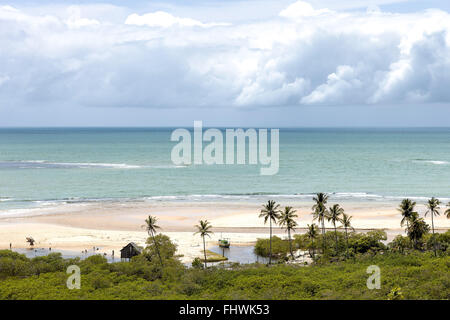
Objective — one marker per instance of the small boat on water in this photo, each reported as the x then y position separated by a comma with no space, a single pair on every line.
224,243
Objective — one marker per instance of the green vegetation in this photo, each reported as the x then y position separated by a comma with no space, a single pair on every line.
311,235
414,276
433,209
347,225
447,212
406,209
320,213
204,229
348,244
151,227
416,266
271,212
334,215
214,257
279,247
288,223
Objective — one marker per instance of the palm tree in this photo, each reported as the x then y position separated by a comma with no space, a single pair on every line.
204,229
406,208
320,212
151,227
447,212
271,212
433,209
417,228
288,223
346,223
312,234
334,215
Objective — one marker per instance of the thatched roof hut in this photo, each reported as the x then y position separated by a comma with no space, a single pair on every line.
130,250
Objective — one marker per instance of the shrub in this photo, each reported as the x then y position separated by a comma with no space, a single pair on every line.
280,247
197,263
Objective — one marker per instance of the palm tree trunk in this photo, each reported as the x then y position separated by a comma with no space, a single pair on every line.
415,242
204,249
346,242
434,239
335,235
323,235
157,249
314,249
270,242
290,243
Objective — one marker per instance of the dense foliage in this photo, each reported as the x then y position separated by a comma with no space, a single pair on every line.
334,245
415,275
371,241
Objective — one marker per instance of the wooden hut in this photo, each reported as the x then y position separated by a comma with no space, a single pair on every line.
130,250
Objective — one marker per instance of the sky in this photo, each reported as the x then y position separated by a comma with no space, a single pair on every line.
321,63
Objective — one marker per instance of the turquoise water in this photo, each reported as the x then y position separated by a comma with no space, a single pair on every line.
44,166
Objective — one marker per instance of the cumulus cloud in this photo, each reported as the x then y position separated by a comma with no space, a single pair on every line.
302,56
76,21
338,86
302,9
164,19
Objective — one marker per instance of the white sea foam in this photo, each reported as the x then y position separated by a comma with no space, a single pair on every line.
94,164
264,196
46,203
23,212
106,165
437,162
42,164
361,195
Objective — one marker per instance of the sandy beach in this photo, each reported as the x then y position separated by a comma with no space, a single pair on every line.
111,225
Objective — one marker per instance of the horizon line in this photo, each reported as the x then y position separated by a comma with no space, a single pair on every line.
224,127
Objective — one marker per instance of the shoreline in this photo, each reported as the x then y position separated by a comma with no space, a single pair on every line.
111,225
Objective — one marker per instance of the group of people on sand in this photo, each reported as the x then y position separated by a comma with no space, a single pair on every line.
85,252
96,249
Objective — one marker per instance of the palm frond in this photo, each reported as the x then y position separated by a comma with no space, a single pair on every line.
433,207
270,211
150,224
204,228
286,219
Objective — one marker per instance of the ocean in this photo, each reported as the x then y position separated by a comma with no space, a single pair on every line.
47,166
